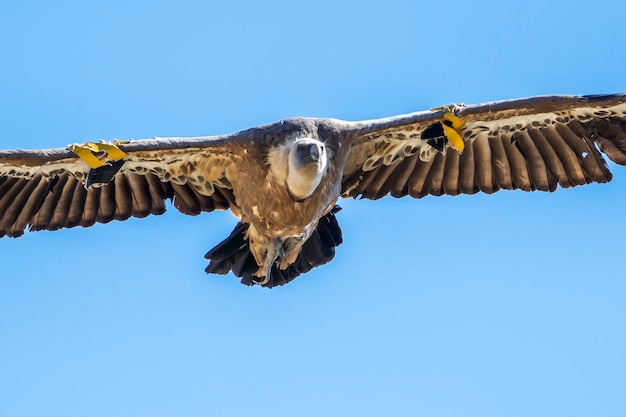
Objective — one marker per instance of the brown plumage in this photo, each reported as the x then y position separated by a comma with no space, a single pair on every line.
283,180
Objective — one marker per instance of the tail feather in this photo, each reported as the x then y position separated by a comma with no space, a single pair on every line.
244,265
232,244
329,230
233,253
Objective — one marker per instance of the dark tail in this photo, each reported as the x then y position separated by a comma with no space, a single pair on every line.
233,253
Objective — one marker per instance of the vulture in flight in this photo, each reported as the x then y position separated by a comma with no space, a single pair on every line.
283,180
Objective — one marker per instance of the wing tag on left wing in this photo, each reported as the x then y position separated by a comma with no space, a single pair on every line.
104,158
97,155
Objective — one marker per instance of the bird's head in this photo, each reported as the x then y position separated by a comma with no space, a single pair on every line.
308,161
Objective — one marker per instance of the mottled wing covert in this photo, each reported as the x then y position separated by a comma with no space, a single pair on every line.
530,144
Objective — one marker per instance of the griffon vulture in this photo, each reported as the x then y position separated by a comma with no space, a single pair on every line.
283,180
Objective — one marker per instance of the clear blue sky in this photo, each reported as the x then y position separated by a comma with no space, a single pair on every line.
503,305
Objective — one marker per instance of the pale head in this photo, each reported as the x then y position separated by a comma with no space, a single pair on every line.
308,161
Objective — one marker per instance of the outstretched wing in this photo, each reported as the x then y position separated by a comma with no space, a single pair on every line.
529,144
45,190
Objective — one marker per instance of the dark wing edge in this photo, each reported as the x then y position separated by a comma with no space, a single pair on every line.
62,201
44,190
529,144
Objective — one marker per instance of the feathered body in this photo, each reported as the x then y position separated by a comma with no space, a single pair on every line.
280,221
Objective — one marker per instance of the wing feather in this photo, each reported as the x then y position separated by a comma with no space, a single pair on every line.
142,199
44,190
367,179
483,171
24,191
592,162
566,155
388,185
417,180
500,164
467,168
208,203
44,215
108,206
185,200
380,180
223,198
529,144
77,206
401,175
9,191
610,135
31,206
451,174
536,167
123,198
92,204
158,194
519,172
550,157
62,208
435,176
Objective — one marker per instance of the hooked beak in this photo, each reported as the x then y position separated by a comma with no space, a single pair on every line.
308,153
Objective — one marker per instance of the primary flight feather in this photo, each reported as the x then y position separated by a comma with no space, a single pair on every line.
283,180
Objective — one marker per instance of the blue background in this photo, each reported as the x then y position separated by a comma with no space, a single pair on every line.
503,305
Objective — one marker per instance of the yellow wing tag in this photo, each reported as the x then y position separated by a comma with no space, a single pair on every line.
113,152
452,127
108,150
